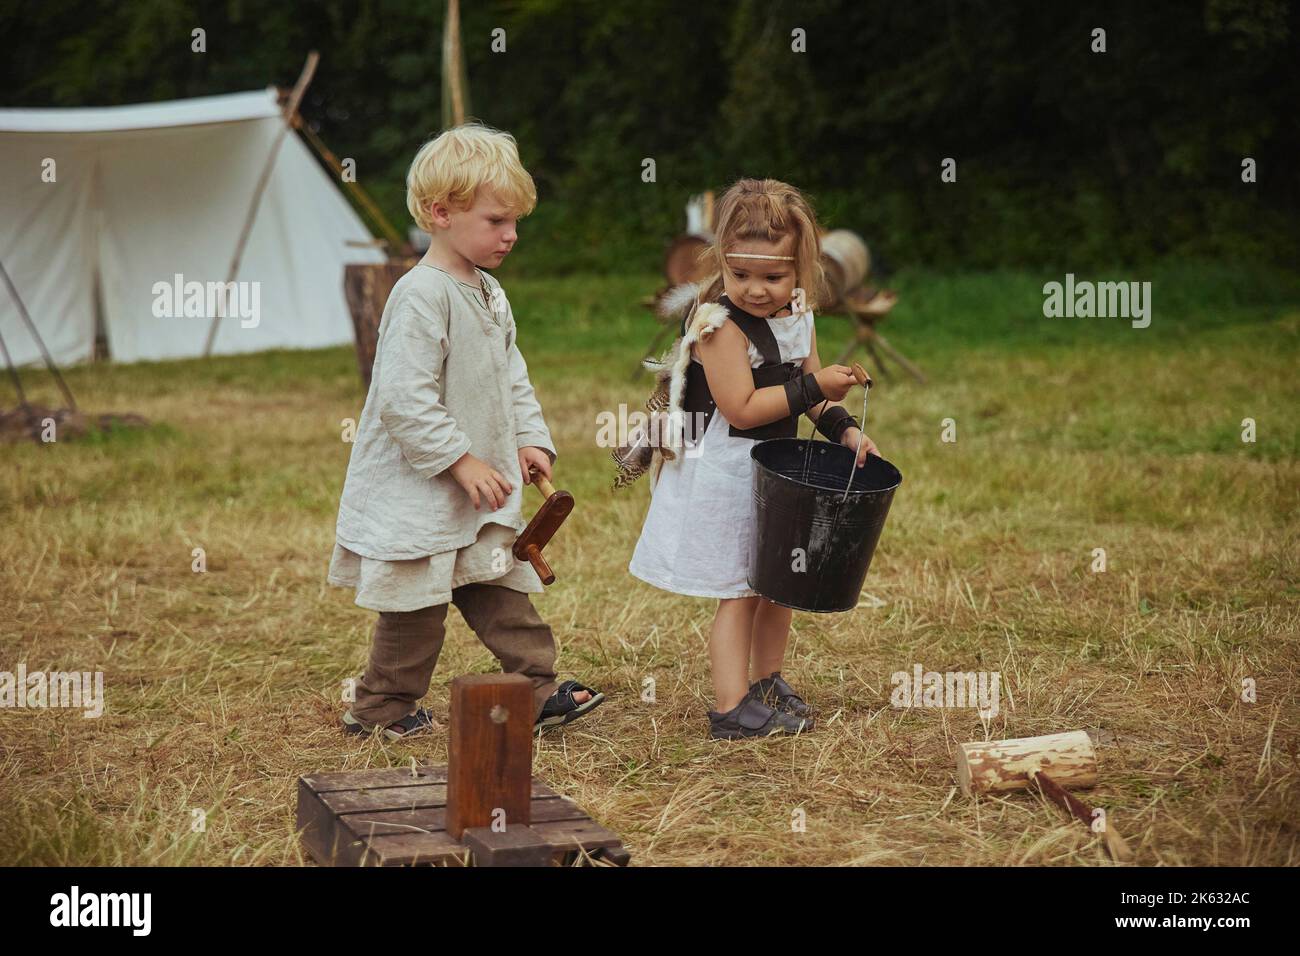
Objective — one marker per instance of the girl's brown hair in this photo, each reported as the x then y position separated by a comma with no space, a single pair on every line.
767,210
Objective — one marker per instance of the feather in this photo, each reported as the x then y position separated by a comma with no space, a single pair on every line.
677,301
648,451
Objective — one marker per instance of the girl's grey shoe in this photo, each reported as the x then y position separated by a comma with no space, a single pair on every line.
775,692
753,718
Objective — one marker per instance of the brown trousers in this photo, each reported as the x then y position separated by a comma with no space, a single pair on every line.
407,644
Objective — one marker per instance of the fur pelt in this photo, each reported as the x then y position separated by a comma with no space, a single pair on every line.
670,388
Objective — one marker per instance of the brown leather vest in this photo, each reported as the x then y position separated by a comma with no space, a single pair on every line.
773,371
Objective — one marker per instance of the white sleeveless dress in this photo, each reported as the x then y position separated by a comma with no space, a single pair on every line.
699,531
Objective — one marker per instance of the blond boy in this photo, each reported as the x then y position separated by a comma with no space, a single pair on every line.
451,427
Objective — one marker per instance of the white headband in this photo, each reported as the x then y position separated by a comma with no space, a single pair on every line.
755,255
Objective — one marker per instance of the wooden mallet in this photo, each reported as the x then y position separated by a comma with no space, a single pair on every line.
556,507
995,765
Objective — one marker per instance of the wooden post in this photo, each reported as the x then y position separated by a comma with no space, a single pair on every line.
455,80
490,752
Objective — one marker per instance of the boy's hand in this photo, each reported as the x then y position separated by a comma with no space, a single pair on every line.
835,381
850,440
532,455
480,480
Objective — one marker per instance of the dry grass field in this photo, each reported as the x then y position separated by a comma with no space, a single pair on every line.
1072,434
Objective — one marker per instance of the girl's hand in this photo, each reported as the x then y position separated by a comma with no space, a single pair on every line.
480,480
835,381
850,440
532,455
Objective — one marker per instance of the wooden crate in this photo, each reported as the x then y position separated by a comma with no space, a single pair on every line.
397,818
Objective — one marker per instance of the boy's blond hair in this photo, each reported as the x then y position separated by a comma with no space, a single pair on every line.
456,163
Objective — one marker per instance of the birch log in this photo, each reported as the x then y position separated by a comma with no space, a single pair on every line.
1005,764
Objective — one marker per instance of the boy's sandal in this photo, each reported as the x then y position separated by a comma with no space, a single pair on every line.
560,708
753,718
419,722
775,692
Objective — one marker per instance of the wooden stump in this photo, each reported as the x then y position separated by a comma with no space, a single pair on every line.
683,262
366,288
846,261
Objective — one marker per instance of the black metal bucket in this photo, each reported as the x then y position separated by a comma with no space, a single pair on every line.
814,544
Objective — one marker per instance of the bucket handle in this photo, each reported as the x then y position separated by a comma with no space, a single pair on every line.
864,379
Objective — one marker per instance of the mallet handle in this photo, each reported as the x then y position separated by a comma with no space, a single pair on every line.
539,564
1115,845
544,486
1062,797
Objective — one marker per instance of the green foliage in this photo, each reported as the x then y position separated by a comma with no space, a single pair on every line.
1066,158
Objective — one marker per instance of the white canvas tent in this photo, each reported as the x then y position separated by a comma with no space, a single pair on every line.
145,193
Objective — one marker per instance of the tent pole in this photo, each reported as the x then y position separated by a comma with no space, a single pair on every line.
376,214
454,77
31,326
13,373
308,71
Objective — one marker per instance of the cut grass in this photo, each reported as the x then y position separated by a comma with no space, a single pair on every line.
223,687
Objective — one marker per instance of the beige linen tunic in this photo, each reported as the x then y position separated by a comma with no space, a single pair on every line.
448,378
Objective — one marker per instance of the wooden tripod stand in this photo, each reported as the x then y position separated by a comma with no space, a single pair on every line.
865,307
